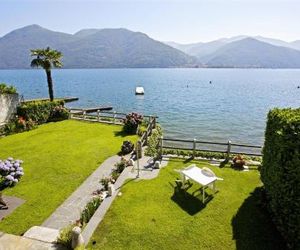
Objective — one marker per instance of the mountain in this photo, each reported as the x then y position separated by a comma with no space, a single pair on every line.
296,44
184,47
91,48
250,52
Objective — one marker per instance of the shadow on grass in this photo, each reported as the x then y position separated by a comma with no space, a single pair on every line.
190,203
121,133
252,226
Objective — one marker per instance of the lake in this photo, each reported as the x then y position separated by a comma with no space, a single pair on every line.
234,106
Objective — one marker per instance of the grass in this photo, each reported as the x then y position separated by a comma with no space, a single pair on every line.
57,157
151,214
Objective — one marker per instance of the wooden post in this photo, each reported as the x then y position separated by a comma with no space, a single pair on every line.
161,145
84,114
154,122
228,150
115,117
98,115
194,147
146,137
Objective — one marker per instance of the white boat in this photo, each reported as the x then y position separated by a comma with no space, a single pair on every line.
139,91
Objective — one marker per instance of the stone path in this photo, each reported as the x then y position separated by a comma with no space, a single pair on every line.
146,172
70,210
41,238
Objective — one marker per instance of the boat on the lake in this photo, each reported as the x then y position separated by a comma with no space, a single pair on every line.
139,91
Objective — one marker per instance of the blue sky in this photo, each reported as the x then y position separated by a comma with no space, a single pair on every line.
165,20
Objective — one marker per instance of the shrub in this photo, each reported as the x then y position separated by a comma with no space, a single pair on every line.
89,210
238,162
105,181
131,123
38,111
5,89
280,172
11,172
65,236
127,147
58,113
153,141
18,124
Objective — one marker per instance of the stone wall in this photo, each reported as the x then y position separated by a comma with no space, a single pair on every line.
8,105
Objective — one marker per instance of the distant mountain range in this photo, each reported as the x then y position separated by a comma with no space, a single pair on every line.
91,48
122,48
244,52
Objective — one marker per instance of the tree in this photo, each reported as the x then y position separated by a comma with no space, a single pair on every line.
47,59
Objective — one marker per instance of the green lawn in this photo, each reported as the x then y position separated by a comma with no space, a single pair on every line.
151,215
57,157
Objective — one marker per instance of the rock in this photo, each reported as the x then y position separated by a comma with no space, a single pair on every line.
77,239
157,165
111,189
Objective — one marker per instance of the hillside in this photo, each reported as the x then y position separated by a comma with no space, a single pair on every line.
250,52
92,48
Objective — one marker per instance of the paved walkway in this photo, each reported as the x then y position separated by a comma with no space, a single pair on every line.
70,210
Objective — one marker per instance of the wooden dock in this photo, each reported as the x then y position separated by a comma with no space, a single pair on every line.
65,99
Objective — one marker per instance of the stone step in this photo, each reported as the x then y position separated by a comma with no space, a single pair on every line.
14,242
44,234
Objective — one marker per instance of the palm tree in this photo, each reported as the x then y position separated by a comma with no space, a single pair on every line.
47,59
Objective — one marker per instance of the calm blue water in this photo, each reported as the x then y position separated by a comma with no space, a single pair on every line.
233,107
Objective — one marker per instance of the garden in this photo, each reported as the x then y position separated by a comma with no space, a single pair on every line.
57,158
154,214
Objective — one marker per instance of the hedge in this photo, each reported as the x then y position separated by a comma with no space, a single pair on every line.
38,111
280,172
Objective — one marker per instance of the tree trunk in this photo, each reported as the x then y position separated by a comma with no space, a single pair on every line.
50,84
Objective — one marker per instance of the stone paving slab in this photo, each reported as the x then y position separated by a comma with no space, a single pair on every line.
13,242
42,234
13,203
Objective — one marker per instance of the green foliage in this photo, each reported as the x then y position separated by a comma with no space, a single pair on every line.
105,181
205,154
121,165
65,236
40,111
153,141
58,113
89,210
17,125
5,89
280,171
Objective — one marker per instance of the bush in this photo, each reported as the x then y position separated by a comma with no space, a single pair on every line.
65,236
280,172
238,162
131,123
58,113
153,141
127,147
11,172
5,89
38,111
18,124
89,210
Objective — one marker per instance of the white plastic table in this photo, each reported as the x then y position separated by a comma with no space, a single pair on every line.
199,176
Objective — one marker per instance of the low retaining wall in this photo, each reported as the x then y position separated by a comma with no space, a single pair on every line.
8,105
